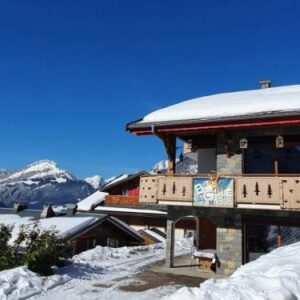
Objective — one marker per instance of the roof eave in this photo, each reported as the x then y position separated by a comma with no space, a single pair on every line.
264,119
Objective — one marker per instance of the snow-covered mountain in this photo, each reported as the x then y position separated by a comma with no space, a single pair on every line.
95,181
189,165
42,181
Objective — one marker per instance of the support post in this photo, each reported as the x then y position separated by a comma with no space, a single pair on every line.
197,233
170,146
170,244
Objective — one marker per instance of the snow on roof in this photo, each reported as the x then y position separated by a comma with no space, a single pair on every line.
90,202
123,209
66,226
16,221
115,179
244,103
275,275
155,235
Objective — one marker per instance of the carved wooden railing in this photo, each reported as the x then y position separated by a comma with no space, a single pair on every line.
257,190
283,191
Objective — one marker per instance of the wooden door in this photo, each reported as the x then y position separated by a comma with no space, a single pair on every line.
207,234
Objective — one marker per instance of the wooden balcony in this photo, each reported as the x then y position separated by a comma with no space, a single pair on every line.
257,191
119,199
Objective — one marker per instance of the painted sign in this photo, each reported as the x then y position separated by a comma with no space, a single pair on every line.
213,192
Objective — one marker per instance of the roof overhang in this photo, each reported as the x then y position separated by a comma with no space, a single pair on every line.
194,126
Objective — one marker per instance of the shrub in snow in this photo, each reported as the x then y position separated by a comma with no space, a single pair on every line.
39,249
7,255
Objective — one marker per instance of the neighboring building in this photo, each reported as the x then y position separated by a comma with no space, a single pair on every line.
123,189
246,197
83,230
119,198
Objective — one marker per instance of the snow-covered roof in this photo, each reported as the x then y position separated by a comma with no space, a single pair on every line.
113,181
68,226
65,226
91,201
155,235
263,102
130,210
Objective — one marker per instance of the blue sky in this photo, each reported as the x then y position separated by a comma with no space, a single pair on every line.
73,73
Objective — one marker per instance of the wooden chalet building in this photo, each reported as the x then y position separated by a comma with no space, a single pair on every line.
246,196
122,201
81,229
123,189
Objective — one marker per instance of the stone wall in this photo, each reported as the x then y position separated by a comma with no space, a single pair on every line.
229,249
229,156
229,165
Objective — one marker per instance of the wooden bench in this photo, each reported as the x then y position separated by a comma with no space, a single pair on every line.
206,259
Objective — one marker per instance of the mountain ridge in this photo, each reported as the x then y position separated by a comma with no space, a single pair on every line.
39,182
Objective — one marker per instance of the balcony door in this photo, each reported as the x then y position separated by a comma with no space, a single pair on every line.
269,160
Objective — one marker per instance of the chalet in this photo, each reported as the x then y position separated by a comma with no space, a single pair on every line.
245,196
123,189
83,230
120,199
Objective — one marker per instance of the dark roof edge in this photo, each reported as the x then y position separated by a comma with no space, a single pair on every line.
130,177
138,125
128,125
119,223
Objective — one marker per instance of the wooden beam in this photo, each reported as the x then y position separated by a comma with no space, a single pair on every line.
170,146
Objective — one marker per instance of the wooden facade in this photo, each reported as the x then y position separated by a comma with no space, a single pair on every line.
104,234
254,177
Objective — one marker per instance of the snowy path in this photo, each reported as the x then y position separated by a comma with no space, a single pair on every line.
98,273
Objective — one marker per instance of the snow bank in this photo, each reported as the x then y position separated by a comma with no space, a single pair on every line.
254,102
20,283
91,201
274,276
110,267
106,254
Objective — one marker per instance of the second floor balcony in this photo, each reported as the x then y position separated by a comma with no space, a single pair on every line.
245,191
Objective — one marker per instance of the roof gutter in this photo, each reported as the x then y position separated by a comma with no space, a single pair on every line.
187,126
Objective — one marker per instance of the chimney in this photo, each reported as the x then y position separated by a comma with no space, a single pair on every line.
19,206
47,211
265,84
71,210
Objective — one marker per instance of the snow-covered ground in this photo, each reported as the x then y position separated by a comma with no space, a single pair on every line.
274,276
94,274
99,274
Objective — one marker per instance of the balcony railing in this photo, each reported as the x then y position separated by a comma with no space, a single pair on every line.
282,192
119,199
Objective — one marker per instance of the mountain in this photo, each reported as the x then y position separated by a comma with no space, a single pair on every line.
95,181
42,181
188,165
